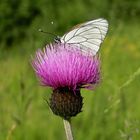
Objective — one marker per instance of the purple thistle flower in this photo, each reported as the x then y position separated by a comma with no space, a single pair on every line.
64,65
66,69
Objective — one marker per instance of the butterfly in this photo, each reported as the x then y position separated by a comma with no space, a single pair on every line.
87,36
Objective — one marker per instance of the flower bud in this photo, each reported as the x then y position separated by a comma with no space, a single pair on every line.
66,103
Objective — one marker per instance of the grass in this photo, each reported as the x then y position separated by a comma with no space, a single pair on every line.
109,112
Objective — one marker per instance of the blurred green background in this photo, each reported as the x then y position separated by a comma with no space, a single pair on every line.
110,112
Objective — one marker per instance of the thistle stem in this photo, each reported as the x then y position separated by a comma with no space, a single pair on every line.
68,129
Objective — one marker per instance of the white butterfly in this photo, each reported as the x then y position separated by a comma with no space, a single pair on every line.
87,36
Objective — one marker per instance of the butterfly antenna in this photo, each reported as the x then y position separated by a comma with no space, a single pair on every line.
40,30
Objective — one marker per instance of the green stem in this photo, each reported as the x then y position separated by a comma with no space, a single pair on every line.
68,129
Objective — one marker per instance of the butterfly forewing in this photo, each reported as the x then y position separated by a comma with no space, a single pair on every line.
87,36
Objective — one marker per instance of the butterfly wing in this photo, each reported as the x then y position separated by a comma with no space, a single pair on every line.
87,36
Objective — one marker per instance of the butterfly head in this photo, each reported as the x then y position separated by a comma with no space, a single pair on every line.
57,39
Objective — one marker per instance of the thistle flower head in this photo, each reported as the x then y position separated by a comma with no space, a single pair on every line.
66,69
62,65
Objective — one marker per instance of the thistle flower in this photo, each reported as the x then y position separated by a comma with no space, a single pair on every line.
66,69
